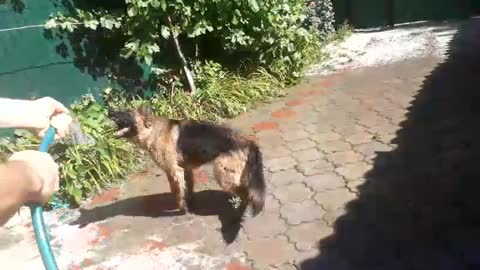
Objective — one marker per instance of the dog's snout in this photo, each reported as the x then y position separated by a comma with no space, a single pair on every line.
124,122
117,114
111,113
120,116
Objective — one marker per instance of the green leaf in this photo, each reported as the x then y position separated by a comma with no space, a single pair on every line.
107,22
165,32
148,59
238,13
52,23
155,3
142,3
130,48
254,5
69,26
77,195
153,48
270,40
132,11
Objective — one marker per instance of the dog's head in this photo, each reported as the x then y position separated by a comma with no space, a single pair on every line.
132,123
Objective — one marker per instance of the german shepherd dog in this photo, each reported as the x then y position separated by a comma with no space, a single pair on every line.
179,146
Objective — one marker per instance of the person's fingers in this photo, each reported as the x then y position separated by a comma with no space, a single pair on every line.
60,108
22,155
60,133
41,133
45,173
56,183
62,123
38,123
14,156
45,110
51,182
50,178
55,106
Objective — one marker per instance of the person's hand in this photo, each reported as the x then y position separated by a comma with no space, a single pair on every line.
48,112
62,124
42,175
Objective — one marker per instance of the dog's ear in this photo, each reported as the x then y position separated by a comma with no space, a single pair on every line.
147,115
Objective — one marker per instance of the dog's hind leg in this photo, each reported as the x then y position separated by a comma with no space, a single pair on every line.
241,173
228,170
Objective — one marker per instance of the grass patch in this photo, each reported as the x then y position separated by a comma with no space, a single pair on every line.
222,96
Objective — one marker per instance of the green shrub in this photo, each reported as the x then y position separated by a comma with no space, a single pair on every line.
270,34
320,16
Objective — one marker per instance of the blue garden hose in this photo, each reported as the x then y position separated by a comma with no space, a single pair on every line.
38,223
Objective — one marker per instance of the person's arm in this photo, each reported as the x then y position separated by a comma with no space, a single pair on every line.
16,113
30,176
35,115
27,177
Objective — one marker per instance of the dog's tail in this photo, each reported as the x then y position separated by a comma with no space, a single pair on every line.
256,186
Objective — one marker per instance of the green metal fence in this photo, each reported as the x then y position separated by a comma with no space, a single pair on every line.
378,13
30,65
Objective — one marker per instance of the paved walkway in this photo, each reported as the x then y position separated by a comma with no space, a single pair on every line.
373,168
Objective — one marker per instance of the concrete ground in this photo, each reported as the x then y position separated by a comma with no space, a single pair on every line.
371,168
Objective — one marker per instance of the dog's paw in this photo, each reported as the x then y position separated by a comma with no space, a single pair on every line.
183,206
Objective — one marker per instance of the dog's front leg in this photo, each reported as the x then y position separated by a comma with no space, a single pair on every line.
179,187
189,182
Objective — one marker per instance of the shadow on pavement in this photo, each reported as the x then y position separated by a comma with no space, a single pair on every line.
206,203
420,205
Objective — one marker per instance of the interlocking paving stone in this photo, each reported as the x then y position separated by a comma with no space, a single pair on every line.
300,145
307,155
334,146
334,199
302,234
298,212
285,178
339,158
353,171
280,164
309,168
323,182
326,137
266,252
293,193
264,225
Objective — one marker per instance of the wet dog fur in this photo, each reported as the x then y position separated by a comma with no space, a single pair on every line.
180,146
